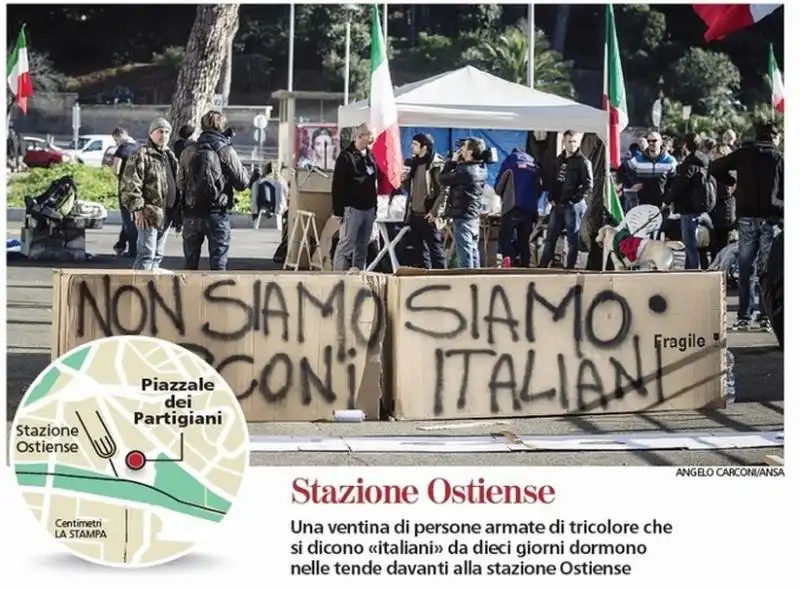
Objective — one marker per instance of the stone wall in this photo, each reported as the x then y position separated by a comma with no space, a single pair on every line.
51,114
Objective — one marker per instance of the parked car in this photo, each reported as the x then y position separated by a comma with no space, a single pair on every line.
40,153
91,149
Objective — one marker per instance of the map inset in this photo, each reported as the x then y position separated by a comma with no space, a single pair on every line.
129,449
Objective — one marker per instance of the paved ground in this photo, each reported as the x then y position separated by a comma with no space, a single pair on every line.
759,374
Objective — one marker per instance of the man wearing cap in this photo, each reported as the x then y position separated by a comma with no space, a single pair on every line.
426,200
149,190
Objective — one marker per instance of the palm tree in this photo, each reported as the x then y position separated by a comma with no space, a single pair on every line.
506,56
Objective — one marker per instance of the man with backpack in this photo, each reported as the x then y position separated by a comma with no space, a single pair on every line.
148,189
209,172
692,193
519,185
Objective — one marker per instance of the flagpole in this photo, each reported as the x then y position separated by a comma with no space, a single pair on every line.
531,47
290,83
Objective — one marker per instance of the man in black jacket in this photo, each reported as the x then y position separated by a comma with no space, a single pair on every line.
573,185
686,195
209,172
355,200
759,205
466,177
426,199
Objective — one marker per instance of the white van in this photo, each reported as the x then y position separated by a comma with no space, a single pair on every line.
90,149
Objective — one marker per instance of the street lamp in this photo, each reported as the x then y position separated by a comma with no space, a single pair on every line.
349,11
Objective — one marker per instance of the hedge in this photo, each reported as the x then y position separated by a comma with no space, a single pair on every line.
94,184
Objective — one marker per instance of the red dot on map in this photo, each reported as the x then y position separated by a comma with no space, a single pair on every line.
135,460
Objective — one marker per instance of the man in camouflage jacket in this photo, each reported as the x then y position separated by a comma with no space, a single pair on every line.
149,190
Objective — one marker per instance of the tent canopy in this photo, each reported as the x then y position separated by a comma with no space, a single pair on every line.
469,97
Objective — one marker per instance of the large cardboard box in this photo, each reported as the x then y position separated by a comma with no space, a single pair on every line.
293,346
479,344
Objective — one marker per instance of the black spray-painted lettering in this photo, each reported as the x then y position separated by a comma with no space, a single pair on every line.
145,308
227,319
575,380
280,373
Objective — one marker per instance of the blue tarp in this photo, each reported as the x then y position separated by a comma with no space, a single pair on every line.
503,141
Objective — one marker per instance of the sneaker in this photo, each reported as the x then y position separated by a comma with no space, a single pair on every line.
740,325
761,323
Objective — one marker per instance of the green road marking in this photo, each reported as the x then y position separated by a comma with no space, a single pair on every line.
44,387
173,479
76,360
92,483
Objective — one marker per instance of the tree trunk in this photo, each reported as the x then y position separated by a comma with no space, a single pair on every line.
226,76
205,53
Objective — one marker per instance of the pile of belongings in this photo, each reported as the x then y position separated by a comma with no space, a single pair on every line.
59,205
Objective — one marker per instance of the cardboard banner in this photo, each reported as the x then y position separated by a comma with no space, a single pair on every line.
524,343
294,346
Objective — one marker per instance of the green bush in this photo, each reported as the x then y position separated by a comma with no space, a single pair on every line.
94,184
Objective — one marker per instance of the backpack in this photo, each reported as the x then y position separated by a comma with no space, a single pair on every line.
56,202
206,180
705,192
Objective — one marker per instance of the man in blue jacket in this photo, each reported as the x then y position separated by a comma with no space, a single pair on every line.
519,186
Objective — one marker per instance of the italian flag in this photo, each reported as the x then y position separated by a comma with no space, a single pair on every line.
383,114
723,19
19,75
615,101
776,82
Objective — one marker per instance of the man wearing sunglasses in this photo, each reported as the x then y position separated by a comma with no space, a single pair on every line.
649,172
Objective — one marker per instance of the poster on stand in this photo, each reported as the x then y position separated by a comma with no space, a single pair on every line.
316,145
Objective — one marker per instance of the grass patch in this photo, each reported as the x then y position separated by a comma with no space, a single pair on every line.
94,184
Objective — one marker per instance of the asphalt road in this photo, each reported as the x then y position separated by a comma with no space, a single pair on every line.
758,366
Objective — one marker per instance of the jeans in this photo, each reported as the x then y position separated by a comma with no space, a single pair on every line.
516,227
755,243
128,233
466,235
563,217
354,236
150,244
217,228
428,243
689,239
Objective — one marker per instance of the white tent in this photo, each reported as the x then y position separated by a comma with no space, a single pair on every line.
471,98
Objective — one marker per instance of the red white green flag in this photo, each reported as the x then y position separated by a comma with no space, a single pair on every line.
383,113
615,101
724,19
19,75
775,82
